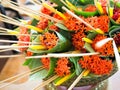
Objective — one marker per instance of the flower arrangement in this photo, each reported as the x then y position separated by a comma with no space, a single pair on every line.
77,27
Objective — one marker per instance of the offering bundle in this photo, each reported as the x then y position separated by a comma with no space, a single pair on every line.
74,42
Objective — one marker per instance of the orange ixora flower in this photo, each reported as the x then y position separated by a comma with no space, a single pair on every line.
101,22
45,62
63,67
23,30
49,40
91,8
46,11
106,50
96,64
43,23
73,24
77,40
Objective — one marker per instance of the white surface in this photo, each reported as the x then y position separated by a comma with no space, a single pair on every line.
30,85
114,82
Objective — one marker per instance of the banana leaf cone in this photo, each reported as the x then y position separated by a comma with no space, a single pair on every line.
62,45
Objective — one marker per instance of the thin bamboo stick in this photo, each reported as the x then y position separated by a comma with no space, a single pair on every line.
3,50
10,22
17,34
11,41
46,82
63,55
2,31
76,81
19,75
9,56
78,18
28,11
5,85
52,55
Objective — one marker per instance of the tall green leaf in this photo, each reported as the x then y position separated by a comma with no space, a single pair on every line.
78,69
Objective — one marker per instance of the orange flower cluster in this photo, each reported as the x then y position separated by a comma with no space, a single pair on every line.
106,50
43,23
45,62
62,68
90,8
77,40
49,40
53,27
73,24
57,17
23,30
101,22
46,11
96,65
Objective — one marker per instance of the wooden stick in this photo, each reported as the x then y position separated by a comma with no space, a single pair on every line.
37,2
18,23
46,82
21,74
5,47
2,31
11,41
3,50
76,81
9,56
51,55
103,42
10,22
78,18
28,11
20,78
62,55
17,34
9,18
117,55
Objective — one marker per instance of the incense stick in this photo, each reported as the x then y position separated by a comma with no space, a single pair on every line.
46,82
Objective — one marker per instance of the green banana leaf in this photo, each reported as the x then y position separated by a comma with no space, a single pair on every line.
88,46
52,66
63,45
77,66
33,63
114,31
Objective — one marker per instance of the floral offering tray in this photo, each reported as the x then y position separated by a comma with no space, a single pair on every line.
69,42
